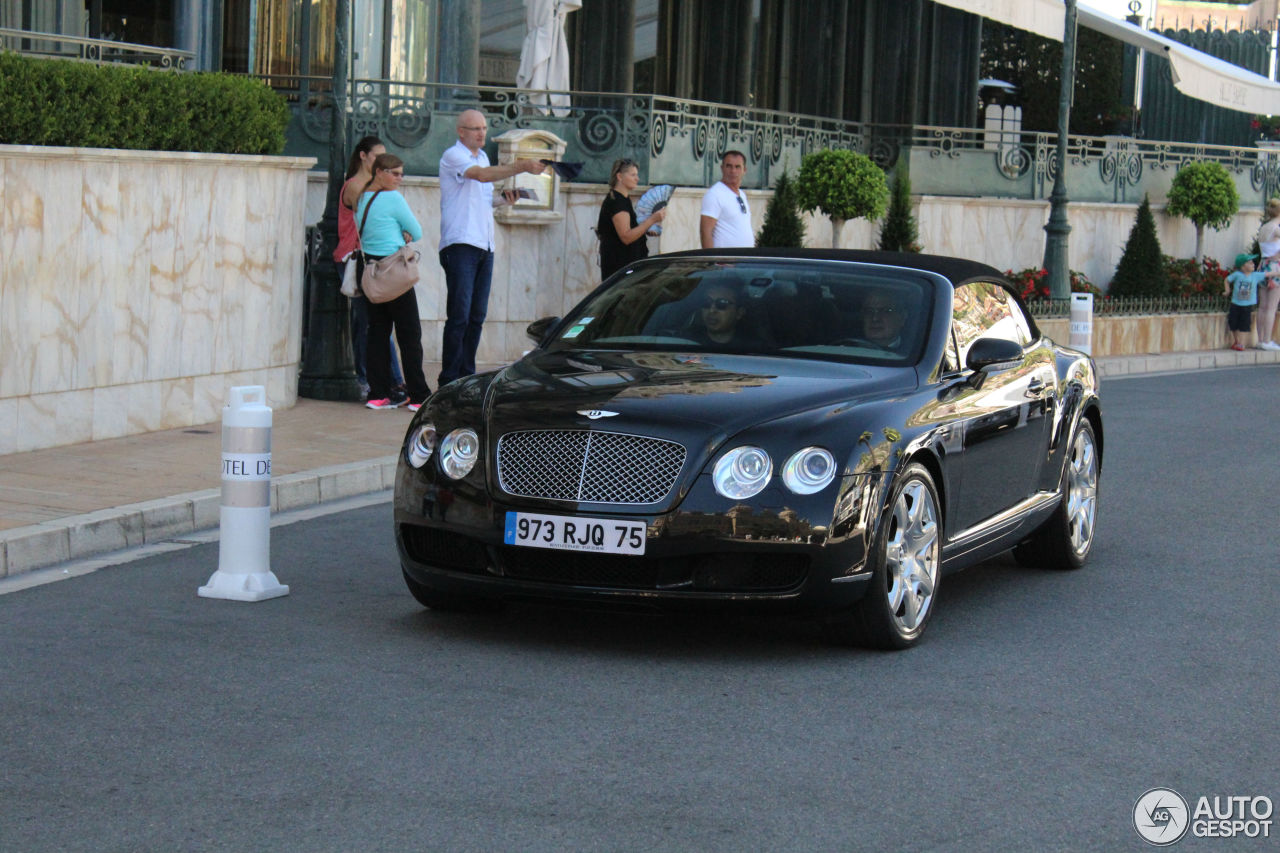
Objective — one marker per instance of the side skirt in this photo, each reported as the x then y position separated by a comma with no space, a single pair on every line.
999,532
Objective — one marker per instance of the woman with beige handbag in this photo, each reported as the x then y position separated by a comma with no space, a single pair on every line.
387,226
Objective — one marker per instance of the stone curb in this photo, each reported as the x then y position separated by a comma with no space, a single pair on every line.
36,546
1133,365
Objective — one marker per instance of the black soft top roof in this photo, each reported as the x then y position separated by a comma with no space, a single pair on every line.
953,269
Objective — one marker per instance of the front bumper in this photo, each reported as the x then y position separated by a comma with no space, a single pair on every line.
780,549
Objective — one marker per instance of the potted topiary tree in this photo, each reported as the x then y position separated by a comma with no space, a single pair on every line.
1141,271
842,184
899,232
1204,193
783,227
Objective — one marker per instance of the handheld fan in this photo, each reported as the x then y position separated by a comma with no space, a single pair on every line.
654,199
567,171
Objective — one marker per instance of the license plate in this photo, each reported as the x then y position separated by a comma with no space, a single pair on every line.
572,533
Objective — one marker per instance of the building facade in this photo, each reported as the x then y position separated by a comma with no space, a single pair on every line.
846,59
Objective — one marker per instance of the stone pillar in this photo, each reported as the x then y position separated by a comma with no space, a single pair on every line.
458,42
604,47
186,25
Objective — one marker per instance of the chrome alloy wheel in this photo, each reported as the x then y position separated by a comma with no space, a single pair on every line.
1082,491
911,557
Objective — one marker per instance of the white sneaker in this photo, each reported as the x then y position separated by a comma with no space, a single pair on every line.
1269,345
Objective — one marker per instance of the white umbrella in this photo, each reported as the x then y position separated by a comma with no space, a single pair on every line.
544,56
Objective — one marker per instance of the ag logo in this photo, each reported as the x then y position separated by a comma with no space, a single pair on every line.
597,414
1161,817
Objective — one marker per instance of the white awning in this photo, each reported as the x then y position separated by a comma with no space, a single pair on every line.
1195,73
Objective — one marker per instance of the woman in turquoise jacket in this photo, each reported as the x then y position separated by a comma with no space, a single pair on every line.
385,224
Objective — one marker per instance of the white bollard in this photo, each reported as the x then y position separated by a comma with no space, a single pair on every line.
1082,322
244,519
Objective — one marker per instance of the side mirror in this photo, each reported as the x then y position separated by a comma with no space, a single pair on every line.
538,329
986,353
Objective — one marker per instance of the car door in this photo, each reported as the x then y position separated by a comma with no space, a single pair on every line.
1004,420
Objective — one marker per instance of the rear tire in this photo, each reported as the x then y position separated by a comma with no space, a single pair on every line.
905,564
449,602
1065,540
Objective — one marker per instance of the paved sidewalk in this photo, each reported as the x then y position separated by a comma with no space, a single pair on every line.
73,502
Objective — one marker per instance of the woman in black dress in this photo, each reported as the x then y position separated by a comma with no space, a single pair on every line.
621,237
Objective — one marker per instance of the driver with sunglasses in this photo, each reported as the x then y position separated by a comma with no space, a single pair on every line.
720,320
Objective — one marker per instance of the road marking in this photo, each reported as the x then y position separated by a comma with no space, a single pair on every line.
88,565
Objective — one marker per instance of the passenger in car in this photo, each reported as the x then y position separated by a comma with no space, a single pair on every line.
884,313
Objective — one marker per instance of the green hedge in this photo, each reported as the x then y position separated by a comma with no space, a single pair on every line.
80,105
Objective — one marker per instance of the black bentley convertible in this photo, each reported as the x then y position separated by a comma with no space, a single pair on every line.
827,430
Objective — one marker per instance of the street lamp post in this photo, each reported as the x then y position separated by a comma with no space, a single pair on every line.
1057,229
328,371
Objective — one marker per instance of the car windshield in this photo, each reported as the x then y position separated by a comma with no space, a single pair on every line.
831,310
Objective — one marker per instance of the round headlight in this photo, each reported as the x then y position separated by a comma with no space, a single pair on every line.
421,444
742,472
459,452
809,470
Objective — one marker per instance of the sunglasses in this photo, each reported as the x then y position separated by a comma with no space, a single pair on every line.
742,204
720,304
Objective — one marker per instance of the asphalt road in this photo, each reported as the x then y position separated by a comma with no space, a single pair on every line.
139,717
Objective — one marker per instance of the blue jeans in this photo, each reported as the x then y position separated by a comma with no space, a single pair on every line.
468,271
359,342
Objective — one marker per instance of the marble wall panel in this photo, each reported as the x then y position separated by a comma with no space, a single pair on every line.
57,318
110,416
230,257
248,329
200,300
208,396
112,294
58,418
8,425
164,316
20,296
1009,233
283,319
680,228
99,259
131,293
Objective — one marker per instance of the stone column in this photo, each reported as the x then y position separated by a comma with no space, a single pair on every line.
603,54
458,42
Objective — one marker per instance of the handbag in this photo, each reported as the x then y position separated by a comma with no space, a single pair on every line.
391,277
349,288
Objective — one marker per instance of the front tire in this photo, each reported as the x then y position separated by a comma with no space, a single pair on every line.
906,559
1065,540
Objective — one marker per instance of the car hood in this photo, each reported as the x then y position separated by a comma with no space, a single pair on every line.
633,391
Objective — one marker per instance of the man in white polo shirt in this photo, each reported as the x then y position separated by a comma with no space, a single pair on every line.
726,215
466,240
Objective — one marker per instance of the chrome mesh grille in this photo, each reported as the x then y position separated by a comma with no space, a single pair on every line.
582,465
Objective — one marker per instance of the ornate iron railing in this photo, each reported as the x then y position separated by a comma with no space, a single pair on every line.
680,141
99,51
1130,305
